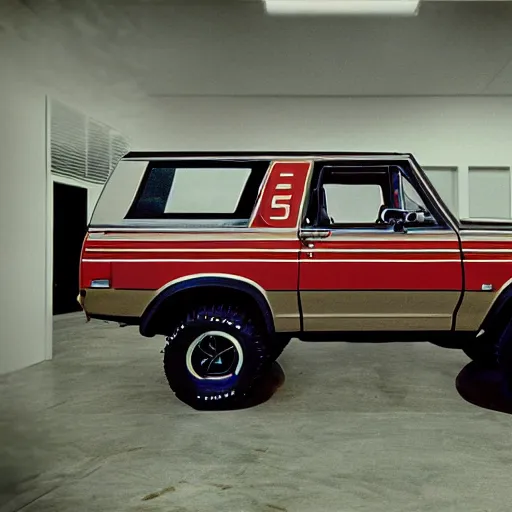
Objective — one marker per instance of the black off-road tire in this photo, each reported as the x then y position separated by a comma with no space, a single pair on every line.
504,354
193,388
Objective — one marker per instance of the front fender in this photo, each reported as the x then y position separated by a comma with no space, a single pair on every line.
501,305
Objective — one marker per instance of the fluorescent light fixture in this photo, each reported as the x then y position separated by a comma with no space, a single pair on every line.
343,7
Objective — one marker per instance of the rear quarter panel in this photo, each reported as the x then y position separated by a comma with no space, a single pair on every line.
140,263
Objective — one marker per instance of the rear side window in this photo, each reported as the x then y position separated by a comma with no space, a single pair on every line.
216,191
206,191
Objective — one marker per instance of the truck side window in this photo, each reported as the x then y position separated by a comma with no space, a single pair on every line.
351,197
355,197
353,203
197,190
196,193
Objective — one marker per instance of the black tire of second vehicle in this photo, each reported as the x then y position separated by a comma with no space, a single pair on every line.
198,392
504,353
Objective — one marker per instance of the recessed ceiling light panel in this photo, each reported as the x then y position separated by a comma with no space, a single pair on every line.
342,7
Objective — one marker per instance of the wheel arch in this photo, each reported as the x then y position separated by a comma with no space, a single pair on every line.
499,308
197,282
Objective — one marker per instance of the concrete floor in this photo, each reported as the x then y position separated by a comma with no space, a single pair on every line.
353,427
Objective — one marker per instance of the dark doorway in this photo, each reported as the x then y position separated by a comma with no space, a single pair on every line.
69,228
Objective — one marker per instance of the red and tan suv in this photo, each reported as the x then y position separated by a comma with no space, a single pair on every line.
230,255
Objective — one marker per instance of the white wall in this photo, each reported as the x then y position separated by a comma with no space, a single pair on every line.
26,219
30,69
445,132
25,227
23,280
439,131
26,211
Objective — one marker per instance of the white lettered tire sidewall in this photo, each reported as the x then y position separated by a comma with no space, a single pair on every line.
194,389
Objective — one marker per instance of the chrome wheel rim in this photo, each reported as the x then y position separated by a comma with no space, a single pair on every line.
215,355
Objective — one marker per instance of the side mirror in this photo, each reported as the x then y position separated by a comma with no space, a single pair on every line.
391,215
399,218
418,217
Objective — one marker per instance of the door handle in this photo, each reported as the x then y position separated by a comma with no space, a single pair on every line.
315,234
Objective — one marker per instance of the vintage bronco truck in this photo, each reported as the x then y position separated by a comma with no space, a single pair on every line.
230,255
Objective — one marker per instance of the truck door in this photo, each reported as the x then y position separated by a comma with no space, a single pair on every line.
362,266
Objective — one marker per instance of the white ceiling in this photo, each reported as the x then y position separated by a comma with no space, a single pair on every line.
231,47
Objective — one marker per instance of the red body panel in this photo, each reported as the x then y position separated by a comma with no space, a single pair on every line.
150,265
154,275
281,199
382,265
487,262
93,271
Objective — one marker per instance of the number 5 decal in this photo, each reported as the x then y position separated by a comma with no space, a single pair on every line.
277,205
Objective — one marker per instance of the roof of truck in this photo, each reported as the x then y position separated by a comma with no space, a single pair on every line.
254,154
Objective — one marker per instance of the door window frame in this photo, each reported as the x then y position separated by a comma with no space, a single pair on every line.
408,169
